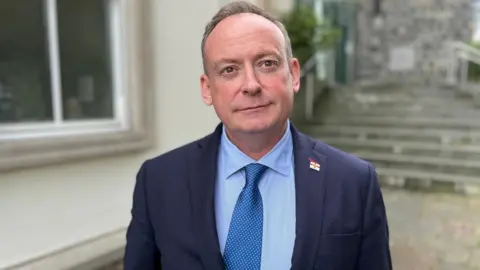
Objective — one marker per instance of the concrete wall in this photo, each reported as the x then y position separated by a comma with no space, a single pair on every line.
409,37
45,210
274,7
278,7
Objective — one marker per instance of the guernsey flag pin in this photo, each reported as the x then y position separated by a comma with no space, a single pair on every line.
314,165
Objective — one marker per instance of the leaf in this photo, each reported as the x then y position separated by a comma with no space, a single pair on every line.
307,33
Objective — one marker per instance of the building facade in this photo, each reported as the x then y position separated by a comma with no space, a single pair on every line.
66,178
397,40
410,39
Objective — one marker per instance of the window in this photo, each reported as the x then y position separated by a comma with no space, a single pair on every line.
65,77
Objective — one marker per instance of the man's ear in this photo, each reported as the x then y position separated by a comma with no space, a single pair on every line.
206,90
295,73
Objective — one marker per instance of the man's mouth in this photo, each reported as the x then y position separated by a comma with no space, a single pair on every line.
252,108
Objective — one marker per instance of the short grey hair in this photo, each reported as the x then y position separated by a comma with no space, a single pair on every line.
238,7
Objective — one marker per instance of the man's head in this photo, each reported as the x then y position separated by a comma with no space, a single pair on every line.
250,75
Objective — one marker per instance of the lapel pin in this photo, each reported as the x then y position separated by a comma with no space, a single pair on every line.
314,165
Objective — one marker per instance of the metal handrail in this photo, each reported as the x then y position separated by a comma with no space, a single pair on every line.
465,47
309,72
309,65
463,53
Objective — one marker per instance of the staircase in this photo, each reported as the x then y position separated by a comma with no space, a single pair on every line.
420,137
417,136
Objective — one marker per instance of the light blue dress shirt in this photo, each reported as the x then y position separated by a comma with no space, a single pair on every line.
277,188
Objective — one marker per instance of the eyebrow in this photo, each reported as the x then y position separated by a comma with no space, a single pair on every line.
265,54
223,61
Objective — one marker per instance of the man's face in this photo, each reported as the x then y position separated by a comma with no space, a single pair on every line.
250,81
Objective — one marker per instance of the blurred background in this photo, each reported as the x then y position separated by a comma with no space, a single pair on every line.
89,89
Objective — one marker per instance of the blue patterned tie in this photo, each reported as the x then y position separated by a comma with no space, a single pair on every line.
243,249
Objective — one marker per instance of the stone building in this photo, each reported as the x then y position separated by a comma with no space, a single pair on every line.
410,37
391,39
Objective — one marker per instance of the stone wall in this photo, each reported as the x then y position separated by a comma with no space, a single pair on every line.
408,39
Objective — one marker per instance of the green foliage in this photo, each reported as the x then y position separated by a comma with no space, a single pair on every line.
307,33
473,68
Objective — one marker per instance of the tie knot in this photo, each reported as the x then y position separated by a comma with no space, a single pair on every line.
254,172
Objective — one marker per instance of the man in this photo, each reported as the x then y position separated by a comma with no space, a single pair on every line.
256,193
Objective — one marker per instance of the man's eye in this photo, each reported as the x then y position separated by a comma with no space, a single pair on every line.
269,63
228,70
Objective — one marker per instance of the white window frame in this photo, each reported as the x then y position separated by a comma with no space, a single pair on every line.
33,144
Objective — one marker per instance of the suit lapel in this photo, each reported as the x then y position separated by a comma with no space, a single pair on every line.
203,174
309,193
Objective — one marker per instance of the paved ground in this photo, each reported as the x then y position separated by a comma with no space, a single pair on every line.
431,231
434,231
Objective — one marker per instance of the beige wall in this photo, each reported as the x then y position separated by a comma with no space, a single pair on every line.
275,7
278,7
46,209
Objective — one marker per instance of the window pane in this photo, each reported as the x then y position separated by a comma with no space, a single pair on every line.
24,66
85,59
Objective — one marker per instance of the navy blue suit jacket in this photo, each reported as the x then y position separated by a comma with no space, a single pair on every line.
340,214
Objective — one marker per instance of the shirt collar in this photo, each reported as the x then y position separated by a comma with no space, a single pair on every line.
278,159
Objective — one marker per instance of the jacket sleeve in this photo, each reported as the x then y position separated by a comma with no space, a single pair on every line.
374,249
141,252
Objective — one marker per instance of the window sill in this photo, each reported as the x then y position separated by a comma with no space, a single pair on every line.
48,151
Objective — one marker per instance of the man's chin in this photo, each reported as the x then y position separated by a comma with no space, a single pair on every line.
255,127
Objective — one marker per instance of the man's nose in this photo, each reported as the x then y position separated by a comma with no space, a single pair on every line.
251,86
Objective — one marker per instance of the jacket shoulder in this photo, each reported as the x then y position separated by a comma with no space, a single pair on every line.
178,154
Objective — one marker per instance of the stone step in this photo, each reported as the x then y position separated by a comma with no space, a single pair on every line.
430,93
393,108
469,88
412,111
399,89
417,122
410,89
432,101
346,112
427,92
388,99
467,151
336,100
428,181
432,135
415,162
406,101
416,136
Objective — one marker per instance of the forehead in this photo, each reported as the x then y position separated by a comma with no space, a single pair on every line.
244,33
